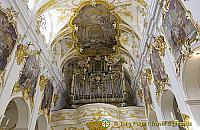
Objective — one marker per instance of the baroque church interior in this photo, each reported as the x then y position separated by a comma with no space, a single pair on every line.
99,65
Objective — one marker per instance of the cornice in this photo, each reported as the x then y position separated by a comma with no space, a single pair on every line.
192,102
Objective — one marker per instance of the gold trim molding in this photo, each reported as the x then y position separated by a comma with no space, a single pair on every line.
44,7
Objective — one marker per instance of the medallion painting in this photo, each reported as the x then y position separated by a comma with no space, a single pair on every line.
29,76
47,98
8,39
179,29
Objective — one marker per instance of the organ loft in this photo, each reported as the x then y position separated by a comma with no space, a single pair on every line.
99,64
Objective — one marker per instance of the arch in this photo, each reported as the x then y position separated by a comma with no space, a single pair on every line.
16,115
191,76
153,119
41,123
191,83
169,109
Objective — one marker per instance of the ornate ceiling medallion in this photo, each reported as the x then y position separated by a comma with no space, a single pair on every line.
95,28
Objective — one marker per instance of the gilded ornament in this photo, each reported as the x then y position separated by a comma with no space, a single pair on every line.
21,53
35,52
186,119
125,11
124,40
16,88
47,5
12,16
55,98
97,125
148,75
62,34
160,45
198,28
143,3
45,111
160,87
25,94
58,117
93,3
140,94
133,115
42,82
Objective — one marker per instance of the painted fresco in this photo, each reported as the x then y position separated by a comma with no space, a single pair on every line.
146,91
156,65
178,28
8,39
29,75
48,94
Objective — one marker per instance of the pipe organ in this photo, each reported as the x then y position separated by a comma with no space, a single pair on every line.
99,79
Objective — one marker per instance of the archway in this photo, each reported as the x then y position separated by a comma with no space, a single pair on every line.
169,109
41,123
191,84
153,119
16,115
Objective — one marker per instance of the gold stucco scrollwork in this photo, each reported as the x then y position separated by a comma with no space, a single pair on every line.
25,93
140,94
21,53
160,87
16,87
148,75
55,98
143,3
97,125
160,45
12,16
26,96
43,82
186,120
198,29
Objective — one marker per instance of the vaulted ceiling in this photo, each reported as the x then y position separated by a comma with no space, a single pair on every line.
53,18
55,14
91,30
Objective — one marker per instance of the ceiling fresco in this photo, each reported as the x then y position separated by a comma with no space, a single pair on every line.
57,13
